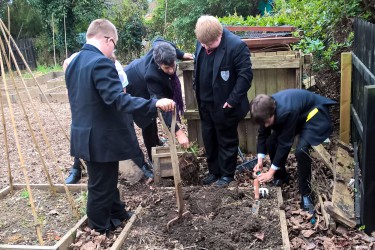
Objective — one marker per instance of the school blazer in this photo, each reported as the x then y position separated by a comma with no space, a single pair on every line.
102,126
232,76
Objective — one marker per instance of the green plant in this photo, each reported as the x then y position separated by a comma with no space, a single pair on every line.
24,194
81,202
194,148
362,228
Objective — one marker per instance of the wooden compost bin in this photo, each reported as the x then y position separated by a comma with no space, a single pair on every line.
273,71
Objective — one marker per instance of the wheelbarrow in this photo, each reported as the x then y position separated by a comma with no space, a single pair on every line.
176,170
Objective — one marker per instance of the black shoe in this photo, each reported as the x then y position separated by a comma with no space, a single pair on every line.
280,182
307,204
147,171
223,182
209,179
74,176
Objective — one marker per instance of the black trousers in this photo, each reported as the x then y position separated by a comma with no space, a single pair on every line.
220,140
150,137
303,162
104,207
77,163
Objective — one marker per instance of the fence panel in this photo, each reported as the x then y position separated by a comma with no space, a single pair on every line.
363,121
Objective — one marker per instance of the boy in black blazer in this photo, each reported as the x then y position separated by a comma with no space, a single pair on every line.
223,76
281,117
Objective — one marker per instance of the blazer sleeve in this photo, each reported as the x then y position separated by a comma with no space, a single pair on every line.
244,74
109,87
263,134
285,137
156,87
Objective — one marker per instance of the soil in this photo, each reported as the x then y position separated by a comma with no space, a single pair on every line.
217,219
54,216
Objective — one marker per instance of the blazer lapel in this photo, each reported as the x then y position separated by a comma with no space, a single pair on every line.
218,58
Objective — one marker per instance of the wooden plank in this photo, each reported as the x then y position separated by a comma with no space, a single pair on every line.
156,166
325,156
58,187
271,64
125,232
363,70
345,94
191,114
186,65
367,161
70,236
261,28
254,42
251,136
283,224
270,80
25,247
342,207
241,130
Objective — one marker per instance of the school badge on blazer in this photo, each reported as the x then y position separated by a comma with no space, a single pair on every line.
224,75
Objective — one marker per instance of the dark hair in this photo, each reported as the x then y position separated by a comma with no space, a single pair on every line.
262,108
164,53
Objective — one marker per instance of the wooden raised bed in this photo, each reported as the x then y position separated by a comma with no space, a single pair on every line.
70,236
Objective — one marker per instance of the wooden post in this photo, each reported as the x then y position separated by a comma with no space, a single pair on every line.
346,86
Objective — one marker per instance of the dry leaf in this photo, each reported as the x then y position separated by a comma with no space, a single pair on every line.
259,235
53,212
307,233
309,246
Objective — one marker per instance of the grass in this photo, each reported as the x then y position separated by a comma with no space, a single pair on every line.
40,70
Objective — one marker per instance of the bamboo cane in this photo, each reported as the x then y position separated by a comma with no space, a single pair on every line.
6,145
60,172
38,85
31,200
27,118
53,40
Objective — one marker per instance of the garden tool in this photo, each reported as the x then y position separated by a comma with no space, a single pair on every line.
246,164
262,190
255,208
176,171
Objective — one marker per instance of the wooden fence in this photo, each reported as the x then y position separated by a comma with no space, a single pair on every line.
363,121
26,47
273,71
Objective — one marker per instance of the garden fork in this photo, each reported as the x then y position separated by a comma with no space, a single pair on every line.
176,171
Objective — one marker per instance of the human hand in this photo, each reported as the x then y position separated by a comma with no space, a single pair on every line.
188,56
266,177
226,105
258,167
165,104
182,138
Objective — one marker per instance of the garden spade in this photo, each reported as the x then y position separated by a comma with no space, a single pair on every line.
176,171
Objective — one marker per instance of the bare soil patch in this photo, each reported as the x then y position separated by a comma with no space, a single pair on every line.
219,219
54,216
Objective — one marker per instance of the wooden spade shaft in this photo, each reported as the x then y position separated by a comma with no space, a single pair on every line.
174,160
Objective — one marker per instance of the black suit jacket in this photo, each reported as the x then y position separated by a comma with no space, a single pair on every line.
292,109
147,80
101,130
231,57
